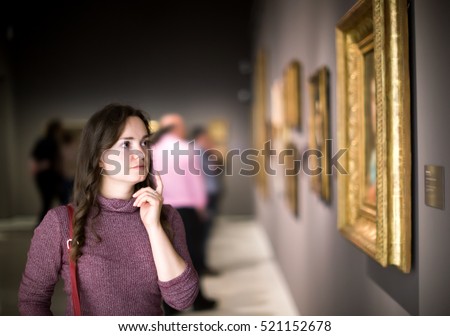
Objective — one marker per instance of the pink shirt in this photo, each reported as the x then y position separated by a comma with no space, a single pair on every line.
180,168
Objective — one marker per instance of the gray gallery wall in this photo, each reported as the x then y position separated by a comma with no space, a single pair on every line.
433,137
326,273
72,59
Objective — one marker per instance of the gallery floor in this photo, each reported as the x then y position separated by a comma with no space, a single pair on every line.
249,280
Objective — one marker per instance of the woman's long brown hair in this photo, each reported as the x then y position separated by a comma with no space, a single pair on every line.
100,133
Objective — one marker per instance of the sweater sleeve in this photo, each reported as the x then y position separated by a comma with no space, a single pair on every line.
180,292
42,268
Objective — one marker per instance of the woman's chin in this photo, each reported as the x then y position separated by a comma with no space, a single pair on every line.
139,178
133,179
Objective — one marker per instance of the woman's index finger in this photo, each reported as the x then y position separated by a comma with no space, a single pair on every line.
159,183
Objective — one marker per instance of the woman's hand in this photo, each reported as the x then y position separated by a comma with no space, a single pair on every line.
150,201
168,262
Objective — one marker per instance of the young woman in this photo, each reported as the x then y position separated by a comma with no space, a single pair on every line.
130,249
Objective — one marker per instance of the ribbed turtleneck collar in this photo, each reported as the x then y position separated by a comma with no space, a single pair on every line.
116,205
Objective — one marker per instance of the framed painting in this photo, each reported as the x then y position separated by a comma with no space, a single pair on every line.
319,131
374,196
259,119
292,162
218,130
277,113
292,96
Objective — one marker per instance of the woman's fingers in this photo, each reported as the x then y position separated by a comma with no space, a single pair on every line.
143,191
140,192
159,187
147,196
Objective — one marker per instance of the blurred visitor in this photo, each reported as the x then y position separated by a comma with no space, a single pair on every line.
69,159
45,166
184,189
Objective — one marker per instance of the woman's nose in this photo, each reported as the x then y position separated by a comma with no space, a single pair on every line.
137,154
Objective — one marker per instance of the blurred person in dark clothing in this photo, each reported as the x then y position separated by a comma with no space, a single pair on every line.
68,150
212,169
45,166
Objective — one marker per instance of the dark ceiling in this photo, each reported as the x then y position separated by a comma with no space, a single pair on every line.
74,44
28,22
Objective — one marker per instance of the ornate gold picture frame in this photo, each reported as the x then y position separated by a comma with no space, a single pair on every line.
374,209
292,89
319,131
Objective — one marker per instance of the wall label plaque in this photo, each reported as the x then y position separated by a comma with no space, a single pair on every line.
434,186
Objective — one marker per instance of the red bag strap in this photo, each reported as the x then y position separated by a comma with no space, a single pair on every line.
73,268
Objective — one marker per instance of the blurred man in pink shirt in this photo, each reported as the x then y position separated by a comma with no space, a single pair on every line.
179,165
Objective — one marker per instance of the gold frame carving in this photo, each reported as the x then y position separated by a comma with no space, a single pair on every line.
381,228
319,130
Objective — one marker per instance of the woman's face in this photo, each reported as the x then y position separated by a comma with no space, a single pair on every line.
127,161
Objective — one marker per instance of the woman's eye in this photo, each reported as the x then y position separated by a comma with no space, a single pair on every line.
145,144
126,144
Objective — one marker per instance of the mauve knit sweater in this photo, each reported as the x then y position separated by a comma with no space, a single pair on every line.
116,276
